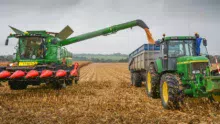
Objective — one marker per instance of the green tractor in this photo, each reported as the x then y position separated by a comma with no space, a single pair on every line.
179,72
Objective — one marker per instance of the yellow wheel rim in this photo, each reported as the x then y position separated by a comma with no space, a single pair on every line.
216,98
165,91
149,82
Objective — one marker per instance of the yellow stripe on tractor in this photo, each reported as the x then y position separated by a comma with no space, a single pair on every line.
192,62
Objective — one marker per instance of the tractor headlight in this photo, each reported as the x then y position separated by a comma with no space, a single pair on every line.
195,71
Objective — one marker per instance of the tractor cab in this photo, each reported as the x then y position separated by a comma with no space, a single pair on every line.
173,48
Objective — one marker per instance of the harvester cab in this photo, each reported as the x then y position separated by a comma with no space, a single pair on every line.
181,71
36,46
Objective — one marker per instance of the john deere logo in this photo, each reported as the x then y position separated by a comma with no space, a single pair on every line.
27,63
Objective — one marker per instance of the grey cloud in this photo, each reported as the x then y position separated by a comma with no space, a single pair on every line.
62,3
173,17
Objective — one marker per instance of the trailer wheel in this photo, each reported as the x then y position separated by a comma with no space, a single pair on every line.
171,92
152,82
17,85
136,79
132,80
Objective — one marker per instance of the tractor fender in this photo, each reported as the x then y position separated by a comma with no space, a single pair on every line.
158,65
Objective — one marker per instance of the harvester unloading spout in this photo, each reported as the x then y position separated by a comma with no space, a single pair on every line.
110,30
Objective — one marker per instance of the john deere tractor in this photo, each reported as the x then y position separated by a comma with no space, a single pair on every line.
181,72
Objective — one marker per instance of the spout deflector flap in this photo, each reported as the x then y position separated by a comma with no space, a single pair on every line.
65,33
16,30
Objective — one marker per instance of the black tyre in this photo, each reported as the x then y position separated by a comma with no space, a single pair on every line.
152,82
132,80
69,82
171,91
76,79
57,84
17,85
137,82
34,83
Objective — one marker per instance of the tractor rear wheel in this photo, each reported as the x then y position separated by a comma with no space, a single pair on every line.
17,85
152,82
171,91
137,79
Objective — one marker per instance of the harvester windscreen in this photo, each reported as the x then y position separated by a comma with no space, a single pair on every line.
31,47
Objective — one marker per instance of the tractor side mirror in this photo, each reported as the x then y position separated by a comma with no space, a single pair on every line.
6,42
204,42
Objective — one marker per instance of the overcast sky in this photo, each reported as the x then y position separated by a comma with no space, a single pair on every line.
173,17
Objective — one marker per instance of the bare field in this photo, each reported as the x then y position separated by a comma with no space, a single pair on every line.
103,95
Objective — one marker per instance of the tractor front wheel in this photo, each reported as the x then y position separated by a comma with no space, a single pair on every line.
171,91
17,85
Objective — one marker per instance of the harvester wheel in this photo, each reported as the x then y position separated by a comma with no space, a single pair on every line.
69,82
136,79
76,81
152,82
171,91
59,84
17,85
77,78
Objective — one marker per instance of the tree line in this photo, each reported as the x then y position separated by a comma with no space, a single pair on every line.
4,58
80,58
